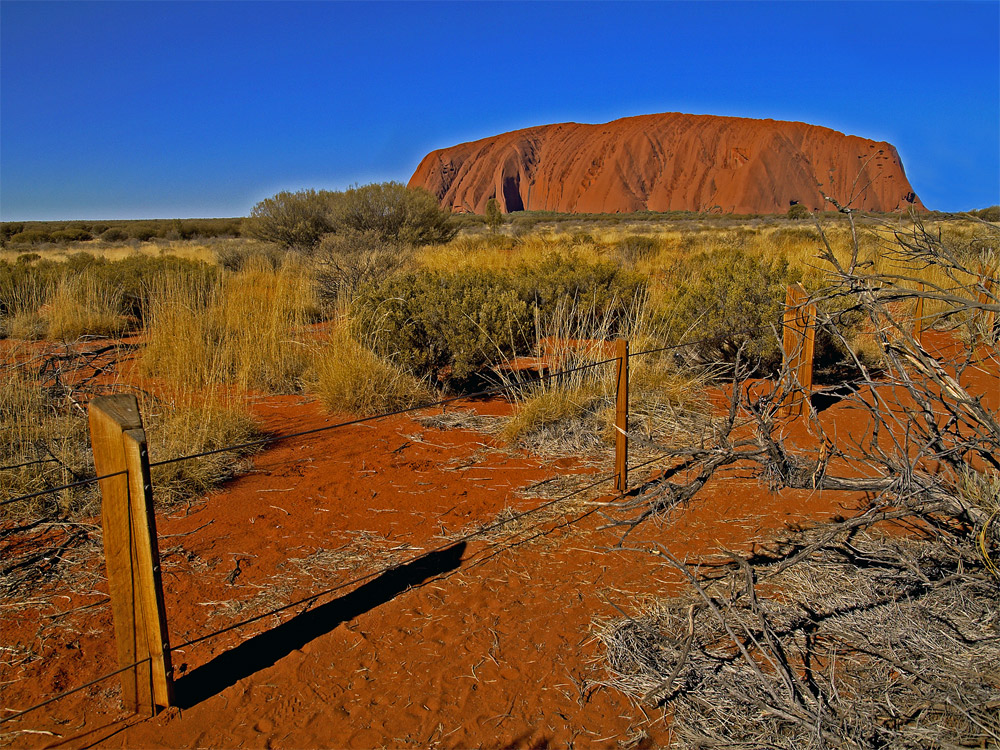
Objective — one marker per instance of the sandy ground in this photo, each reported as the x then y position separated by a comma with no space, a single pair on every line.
487,642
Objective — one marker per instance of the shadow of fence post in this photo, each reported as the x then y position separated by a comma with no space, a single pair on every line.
131,553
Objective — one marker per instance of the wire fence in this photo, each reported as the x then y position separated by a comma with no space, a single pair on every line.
271,439
312,598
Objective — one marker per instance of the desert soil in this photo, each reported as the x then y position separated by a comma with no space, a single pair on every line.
487,642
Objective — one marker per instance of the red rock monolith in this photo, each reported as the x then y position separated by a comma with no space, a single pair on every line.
669,162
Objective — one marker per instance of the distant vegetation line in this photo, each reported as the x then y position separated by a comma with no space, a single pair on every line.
143,230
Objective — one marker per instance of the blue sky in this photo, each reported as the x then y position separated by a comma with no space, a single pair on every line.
193,109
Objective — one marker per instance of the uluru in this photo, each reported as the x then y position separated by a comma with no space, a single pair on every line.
668,162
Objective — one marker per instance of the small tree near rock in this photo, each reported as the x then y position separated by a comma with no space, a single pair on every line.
494,217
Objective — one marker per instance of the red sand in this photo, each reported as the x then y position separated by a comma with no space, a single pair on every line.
494,649
668,162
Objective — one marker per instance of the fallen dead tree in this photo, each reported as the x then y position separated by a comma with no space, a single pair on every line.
876,631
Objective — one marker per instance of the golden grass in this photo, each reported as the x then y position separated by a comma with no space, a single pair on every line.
186,422
349,377
188,249
82,306
249,331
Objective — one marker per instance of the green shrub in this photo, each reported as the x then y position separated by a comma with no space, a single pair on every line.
464,320
30,237
429,321
494,217
727,301
592,287
142,232
114,234
394,212
798,211
71,235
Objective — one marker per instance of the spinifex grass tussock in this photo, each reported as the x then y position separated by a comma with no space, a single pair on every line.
247,331
185,423
349,377
43,443
80,305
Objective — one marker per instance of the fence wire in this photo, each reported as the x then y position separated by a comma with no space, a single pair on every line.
442,402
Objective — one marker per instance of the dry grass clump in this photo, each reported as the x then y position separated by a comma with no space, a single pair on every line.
869,641
349,377
45,438
42,444
74,306
187,423
572,410
561,419
81,306
248,331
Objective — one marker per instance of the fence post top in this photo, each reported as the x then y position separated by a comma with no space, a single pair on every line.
122,408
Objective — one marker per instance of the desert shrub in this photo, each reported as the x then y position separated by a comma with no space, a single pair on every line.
30,237
493,217
143,231
114,234
28,257
348,376
71,235
726,302
292,220
798,211
394,212
594,286
428,321
350,260
991,213
468,318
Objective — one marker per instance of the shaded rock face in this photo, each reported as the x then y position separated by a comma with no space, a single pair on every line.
668,162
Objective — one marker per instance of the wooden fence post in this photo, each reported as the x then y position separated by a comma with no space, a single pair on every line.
798,343
918,316
131,553
621,417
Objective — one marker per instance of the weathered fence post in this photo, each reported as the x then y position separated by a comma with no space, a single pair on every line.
621,417
131,553
918,315
798,343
